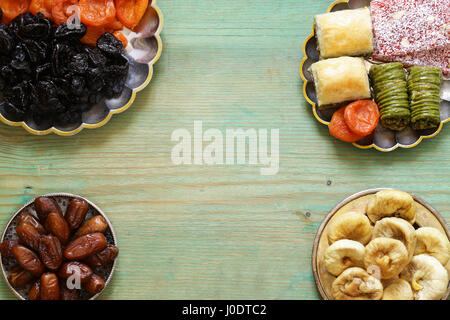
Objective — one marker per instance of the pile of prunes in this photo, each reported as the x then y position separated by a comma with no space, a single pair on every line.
47,74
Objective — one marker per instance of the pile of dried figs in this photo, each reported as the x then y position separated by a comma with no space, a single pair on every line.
59,254
49,76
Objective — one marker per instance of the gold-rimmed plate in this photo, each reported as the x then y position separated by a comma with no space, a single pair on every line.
426,216
143,51
382,139
63,200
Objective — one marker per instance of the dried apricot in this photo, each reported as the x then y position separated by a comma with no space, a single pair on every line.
97,13
42,6
60,12
12,8
339,129
130,12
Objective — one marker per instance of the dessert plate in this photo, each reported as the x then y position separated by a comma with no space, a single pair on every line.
143,51
382,139
426,216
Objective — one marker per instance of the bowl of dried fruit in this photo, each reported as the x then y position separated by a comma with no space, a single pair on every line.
58,247
382,244
65,66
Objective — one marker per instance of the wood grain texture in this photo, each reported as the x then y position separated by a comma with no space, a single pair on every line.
216,232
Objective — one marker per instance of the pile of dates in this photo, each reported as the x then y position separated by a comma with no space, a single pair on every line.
47,74
57,254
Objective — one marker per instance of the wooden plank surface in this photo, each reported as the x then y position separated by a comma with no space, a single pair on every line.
216,232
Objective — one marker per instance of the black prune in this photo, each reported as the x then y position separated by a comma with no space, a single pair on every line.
79,63
78,85
110,45
40,30
36,50
13,113
48,75
64,32
6,40
96,57
19,61
43,70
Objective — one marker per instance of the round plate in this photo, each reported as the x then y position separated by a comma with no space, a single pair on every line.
426,216
382,139
63,199
143,50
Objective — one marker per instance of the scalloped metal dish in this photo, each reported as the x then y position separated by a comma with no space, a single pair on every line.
63,200
143,51
382,139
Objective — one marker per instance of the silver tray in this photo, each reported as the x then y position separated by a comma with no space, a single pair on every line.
382,139
63,199
143,51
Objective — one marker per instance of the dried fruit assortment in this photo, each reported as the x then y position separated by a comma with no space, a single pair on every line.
55,251
47,74
390,260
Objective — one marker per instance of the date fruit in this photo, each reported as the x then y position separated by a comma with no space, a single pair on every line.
28,218
68,294
76,212
69,268
35,291
44,206
94,285
28,260
105,256
19,277
93,225
50,252
85,246
28,235
49,286
57,225
6,248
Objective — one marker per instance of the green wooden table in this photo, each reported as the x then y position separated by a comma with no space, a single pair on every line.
216,232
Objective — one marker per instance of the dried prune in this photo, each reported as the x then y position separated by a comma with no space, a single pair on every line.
28,260
63,77
110,45
63,32
96,57
85,246
50,252
37,30
76,212
36,51
6,40
79,63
